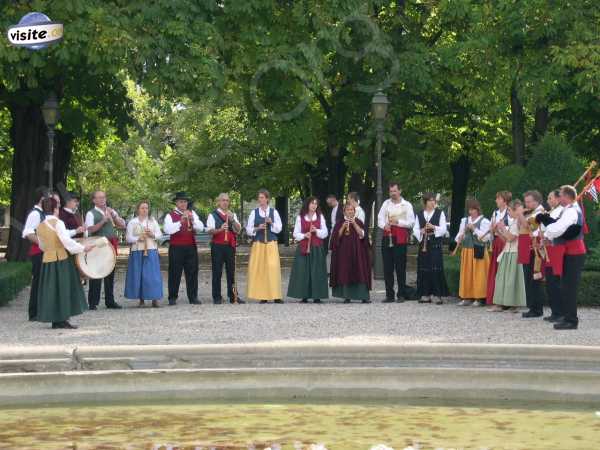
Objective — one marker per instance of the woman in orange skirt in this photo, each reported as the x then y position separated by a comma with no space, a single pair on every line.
474,258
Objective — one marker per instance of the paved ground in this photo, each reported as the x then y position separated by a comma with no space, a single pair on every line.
408,322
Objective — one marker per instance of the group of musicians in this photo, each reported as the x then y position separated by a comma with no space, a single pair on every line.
529,245
512,278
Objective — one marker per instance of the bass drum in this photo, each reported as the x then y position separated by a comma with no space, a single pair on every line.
100,261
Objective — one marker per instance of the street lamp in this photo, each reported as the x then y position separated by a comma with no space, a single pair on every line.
50,113
379,109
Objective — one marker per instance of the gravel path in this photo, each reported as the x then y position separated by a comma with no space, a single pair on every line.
408,322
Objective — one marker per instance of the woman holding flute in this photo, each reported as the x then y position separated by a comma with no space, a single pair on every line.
430,228
309,272
143,281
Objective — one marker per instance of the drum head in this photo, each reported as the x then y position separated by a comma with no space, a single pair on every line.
100,261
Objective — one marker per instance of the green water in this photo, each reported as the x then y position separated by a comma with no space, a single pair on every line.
297,426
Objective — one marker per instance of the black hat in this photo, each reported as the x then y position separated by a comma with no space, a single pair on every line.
71,195
181,196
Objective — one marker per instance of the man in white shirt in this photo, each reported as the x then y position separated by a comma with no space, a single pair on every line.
396,218
552,280
182,224
336,212
533,286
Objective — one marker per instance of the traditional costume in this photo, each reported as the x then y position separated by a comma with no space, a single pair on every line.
34,218
143,280
350,272
532,267
72,221
60,295
567,235
309,271
510,281
431,280
474,258
93,217
183,252
222,252
264,267
552,277
499,216
394,245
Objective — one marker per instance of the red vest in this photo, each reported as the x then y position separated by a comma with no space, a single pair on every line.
184,236
399,234
315,241
524,249
219,238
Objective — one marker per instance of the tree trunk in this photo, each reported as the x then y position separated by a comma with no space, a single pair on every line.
460,180
518,125
540,127
282,206
30,169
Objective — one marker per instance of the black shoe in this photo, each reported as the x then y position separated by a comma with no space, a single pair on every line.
172,302
218,301
279,301
238,301
347,300
93,308
317,300
565,325
389,300
531,314
366,301
114,305
264,301
400,300
57,325
195,302
304,300
68,326
553,319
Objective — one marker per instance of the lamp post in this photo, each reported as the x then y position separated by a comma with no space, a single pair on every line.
379,109
50,113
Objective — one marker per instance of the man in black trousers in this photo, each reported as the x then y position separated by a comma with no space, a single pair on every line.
533,286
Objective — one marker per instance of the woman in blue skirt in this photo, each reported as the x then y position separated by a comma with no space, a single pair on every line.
144,280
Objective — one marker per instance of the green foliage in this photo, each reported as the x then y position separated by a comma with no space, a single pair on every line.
14,276
552,164
589,289
452,271
506,179
592,260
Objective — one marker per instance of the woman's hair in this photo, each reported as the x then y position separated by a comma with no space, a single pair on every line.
49,204
473,203
307,203
354,196
428,196
515,204
140,203
264,192
349,205
504,195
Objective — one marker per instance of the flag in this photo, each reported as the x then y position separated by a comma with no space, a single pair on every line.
594,190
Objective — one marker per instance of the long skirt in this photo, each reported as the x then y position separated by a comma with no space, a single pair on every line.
264,272
144,280
430,272
358,291
497,247
309,275
510,282
60,294
473,274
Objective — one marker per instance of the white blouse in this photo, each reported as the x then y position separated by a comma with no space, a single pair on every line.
440,230
135,228
275,227
511,246
60,229
481,232
321,231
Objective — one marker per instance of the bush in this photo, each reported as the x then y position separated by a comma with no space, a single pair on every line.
589,289
14,276
506,179
552,164
592,260
452,271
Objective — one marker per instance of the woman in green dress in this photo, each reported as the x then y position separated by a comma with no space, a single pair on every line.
60,295
309,272
509,293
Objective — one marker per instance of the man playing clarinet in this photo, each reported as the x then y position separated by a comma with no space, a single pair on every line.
223,226
68,214
182,224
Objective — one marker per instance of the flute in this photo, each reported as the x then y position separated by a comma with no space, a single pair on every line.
226,239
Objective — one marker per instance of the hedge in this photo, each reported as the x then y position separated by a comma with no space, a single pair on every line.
589,288
14,276
507,178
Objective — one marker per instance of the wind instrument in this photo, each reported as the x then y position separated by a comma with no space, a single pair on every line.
226,238
234,291
309,238
425,235
389,221
146,239
591,167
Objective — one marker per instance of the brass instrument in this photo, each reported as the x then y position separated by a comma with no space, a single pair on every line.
226,239
425,237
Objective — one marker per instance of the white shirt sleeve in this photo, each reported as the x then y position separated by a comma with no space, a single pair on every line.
276,226
417,231
333,215
133,231
89,219
381,219
198,225
298,235
156,229
31,223
210,222
461,230
442,228
322,231
250,225
410,219
484,227
72,246
557,229
171,227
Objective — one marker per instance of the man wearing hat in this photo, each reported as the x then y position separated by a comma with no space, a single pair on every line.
182,224
68,214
